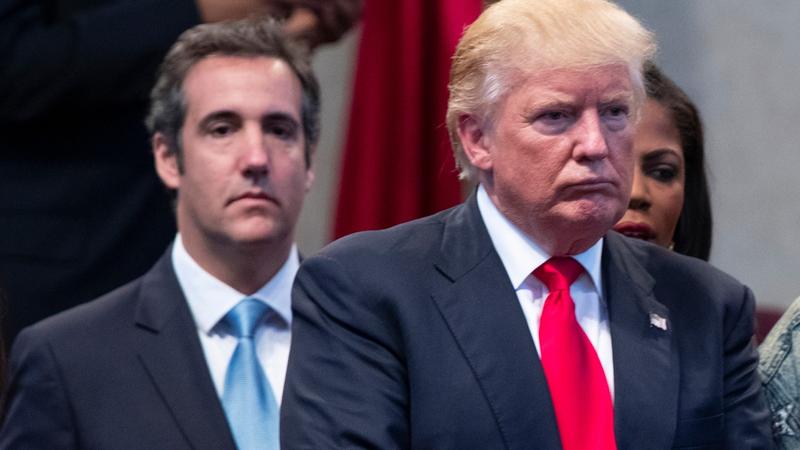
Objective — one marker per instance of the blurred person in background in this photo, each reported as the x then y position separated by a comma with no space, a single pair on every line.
81,209
669,203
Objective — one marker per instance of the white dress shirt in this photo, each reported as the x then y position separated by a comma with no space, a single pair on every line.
521,256
210,299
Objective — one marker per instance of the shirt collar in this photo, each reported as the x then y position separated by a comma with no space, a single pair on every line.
520,254
210,299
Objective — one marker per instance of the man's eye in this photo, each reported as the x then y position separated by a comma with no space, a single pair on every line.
283,131
616,111
554,116
221,130
553,121
279,131
616,117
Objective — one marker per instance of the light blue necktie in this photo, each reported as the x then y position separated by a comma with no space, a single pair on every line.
248,399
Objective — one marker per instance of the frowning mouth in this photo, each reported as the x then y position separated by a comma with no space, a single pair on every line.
636,230
591,186
254,195
592,182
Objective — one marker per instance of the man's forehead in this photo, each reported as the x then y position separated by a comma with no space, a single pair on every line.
607,83
231,82
608,77
220,65
549,95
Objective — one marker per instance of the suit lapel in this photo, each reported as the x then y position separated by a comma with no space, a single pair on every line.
483,314
646,366
170,351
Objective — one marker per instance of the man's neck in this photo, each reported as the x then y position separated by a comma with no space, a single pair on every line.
556,239
244,267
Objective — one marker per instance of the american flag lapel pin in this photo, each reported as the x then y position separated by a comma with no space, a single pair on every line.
658,321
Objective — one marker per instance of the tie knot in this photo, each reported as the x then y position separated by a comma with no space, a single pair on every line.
244,317
558,272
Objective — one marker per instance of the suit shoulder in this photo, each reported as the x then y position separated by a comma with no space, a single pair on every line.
668,267
413,239
93,319
369,264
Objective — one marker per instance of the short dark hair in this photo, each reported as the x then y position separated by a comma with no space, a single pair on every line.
253,37
693,232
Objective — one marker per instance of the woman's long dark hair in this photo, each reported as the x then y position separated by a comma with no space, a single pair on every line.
693,233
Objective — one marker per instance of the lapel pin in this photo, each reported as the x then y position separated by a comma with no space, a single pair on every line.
658,321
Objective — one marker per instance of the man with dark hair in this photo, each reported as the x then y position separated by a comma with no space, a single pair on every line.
192,354
76,180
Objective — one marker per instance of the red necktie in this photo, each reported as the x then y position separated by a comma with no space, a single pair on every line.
577,383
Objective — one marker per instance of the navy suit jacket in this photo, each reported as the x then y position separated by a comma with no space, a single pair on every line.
125,371
413,337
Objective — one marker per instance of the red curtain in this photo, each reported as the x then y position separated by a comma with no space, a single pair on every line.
397,163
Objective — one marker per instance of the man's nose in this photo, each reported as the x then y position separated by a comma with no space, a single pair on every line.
591,138
640,195
255,158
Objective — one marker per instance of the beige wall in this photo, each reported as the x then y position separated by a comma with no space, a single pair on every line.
741,61
334,65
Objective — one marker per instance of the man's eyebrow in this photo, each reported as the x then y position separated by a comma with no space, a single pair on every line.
617,96
279,116
553,99
545,103
219,115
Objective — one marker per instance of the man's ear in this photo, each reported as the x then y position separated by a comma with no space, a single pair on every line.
475,141
166,160
309,178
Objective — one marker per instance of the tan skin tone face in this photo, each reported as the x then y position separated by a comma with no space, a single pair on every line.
658,180
557,159
244,172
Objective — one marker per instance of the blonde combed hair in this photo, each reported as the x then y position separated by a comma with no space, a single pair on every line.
515,37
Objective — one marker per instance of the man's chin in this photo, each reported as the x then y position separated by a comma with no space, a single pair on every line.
260,233
590,219
601,210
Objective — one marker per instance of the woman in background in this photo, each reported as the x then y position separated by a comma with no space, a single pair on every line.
670,206
670,203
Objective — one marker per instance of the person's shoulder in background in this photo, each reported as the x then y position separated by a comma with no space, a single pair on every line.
780,375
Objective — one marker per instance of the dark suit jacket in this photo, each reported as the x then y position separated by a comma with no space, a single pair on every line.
413,337
125,371
81,208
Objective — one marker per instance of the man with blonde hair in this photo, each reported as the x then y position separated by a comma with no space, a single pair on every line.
518,320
